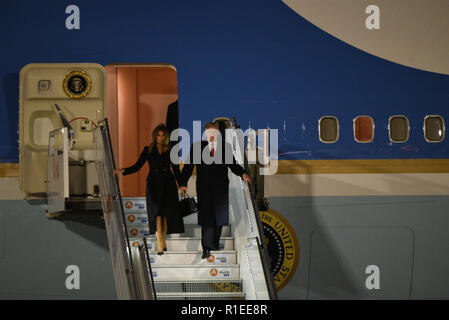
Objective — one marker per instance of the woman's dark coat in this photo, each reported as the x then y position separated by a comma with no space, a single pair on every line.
161,190
212,185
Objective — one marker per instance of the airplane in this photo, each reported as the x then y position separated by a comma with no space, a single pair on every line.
357,206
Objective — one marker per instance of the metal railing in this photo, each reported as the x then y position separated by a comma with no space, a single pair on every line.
57,170
249,235
131,265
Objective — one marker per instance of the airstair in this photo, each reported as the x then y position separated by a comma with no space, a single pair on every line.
239,270
180,273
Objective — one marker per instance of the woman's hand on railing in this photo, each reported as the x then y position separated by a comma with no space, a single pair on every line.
246,178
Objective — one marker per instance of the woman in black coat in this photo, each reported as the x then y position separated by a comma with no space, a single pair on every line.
161,191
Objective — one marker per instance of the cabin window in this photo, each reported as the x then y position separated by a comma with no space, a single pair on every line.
399,129
40,124
328,129
434,128
363,129
41,129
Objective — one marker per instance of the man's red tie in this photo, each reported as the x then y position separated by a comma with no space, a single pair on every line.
212,152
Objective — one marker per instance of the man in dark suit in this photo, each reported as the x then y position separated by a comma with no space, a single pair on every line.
212,184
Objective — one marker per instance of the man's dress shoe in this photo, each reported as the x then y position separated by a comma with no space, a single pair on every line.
206,253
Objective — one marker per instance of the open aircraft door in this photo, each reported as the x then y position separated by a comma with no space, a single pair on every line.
77,96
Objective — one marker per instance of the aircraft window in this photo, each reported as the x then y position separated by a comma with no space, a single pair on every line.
434,128
363,129
41,122
41,128
328,129
399,128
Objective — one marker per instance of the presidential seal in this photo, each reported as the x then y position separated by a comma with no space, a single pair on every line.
283,246
77,84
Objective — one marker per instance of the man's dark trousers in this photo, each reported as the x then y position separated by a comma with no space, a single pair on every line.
210,237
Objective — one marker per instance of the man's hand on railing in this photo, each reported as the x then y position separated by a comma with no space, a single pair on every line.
246,178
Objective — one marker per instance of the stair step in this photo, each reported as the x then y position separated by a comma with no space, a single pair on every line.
184,244
193,257
134,204
201,296
180,273
139,205
199,285
198,271
140,224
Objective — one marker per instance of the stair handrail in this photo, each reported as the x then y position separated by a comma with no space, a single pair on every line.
117,188
258,234
104,124
153,287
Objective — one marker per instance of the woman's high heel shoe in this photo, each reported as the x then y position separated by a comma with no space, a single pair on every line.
164,233
160,248
159,236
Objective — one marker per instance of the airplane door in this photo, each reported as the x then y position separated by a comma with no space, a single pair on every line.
134,97
140,96
79,89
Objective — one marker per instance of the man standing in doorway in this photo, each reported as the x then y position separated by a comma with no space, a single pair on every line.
212,185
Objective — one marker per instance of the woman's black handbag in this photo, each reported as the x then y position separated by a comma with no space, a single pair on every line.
187,205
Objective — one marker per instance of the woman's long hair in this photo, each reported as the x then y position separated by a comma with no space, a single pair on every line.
163,128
